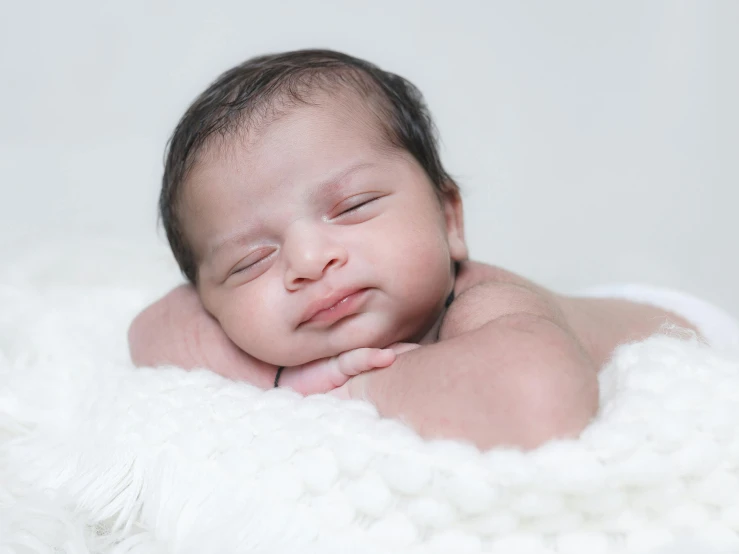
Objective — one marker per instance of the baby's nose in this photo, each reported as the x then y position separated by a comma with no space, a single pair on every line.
310,253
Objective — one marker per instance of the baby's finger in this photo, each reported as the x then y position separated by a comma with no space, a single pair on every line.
401,347
311,378
356,361
354,388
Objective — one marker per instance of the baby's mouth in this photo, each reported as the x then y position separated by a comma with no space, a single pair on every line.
335,307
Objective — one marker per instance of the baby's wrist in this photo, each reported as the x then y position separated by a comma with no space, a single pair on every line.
357,387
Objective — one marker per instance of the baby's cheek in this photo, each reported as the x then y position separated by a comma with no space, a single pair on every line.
423,270
248,327
262,335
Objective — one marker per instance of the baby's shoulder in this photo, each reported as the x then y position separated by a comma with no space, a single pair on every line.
471,273
496,285
485,292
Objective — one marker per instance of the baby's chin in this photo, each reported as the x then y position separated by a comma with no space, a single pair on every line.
365,331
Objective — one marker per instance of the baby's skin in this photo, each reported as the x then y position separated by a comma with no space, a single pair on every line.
579,334
322,249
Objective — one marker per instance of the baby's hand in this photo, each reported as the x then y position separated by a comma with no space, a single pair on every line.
357,386
327,374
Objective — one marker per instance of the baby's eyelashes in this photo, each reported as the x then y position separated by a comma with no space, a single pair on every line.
252,263
354,205
355,208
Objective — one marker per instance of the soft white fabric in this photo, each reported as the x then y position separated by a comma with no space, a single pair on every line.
96,456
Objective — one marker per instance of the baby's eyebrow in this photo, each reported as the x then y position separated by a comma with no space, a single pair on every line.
337,181
236,238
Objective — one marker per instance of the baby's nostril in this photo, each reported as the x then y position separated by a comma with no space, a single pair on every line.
332,263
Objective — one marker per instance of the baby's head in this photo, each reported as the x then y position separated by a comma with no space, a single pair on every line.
304,197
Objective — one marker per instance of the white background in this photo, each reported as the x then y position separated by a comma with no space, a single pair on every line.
595,141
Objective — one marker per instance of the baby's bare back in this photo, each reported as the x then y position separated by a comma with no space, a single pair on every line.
600,324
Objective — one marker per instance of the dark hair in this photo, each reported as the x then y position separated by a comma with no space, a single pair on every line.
250,90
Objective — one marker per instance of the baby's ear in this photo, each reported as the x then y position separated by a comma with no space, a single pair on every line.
454,218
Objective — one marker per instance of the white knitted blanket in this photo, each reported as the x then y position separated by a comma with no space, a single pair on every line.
96,456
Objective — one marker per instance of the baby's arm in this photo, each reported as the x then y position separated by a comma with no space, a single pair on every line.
176,330
508,370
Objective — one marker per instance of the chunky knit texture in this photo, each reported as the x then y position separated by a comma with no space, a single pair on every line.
96,456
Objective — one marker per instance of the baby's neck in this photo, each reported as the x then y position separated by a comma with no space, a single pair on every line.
432,335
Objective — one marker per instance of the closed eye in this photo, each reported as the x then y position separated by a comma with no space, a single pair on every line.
242,269
250,265
357,207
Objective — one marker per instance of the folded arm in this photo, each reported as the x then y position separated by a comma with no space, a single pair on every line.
176,330
507,372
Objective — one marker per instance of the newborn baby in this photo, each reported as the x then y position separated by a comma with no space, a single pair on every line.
305,202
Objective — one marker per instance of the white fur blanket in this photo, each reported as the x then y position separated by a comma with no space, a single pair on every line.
96,456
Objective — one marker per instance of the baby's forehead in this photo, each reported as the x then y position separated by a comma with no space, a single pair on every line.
323,127
305,145
347,104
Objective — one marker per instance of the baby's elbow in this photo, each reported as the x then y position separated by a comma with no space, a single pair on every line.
560,402
139,336
557,389
145,332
